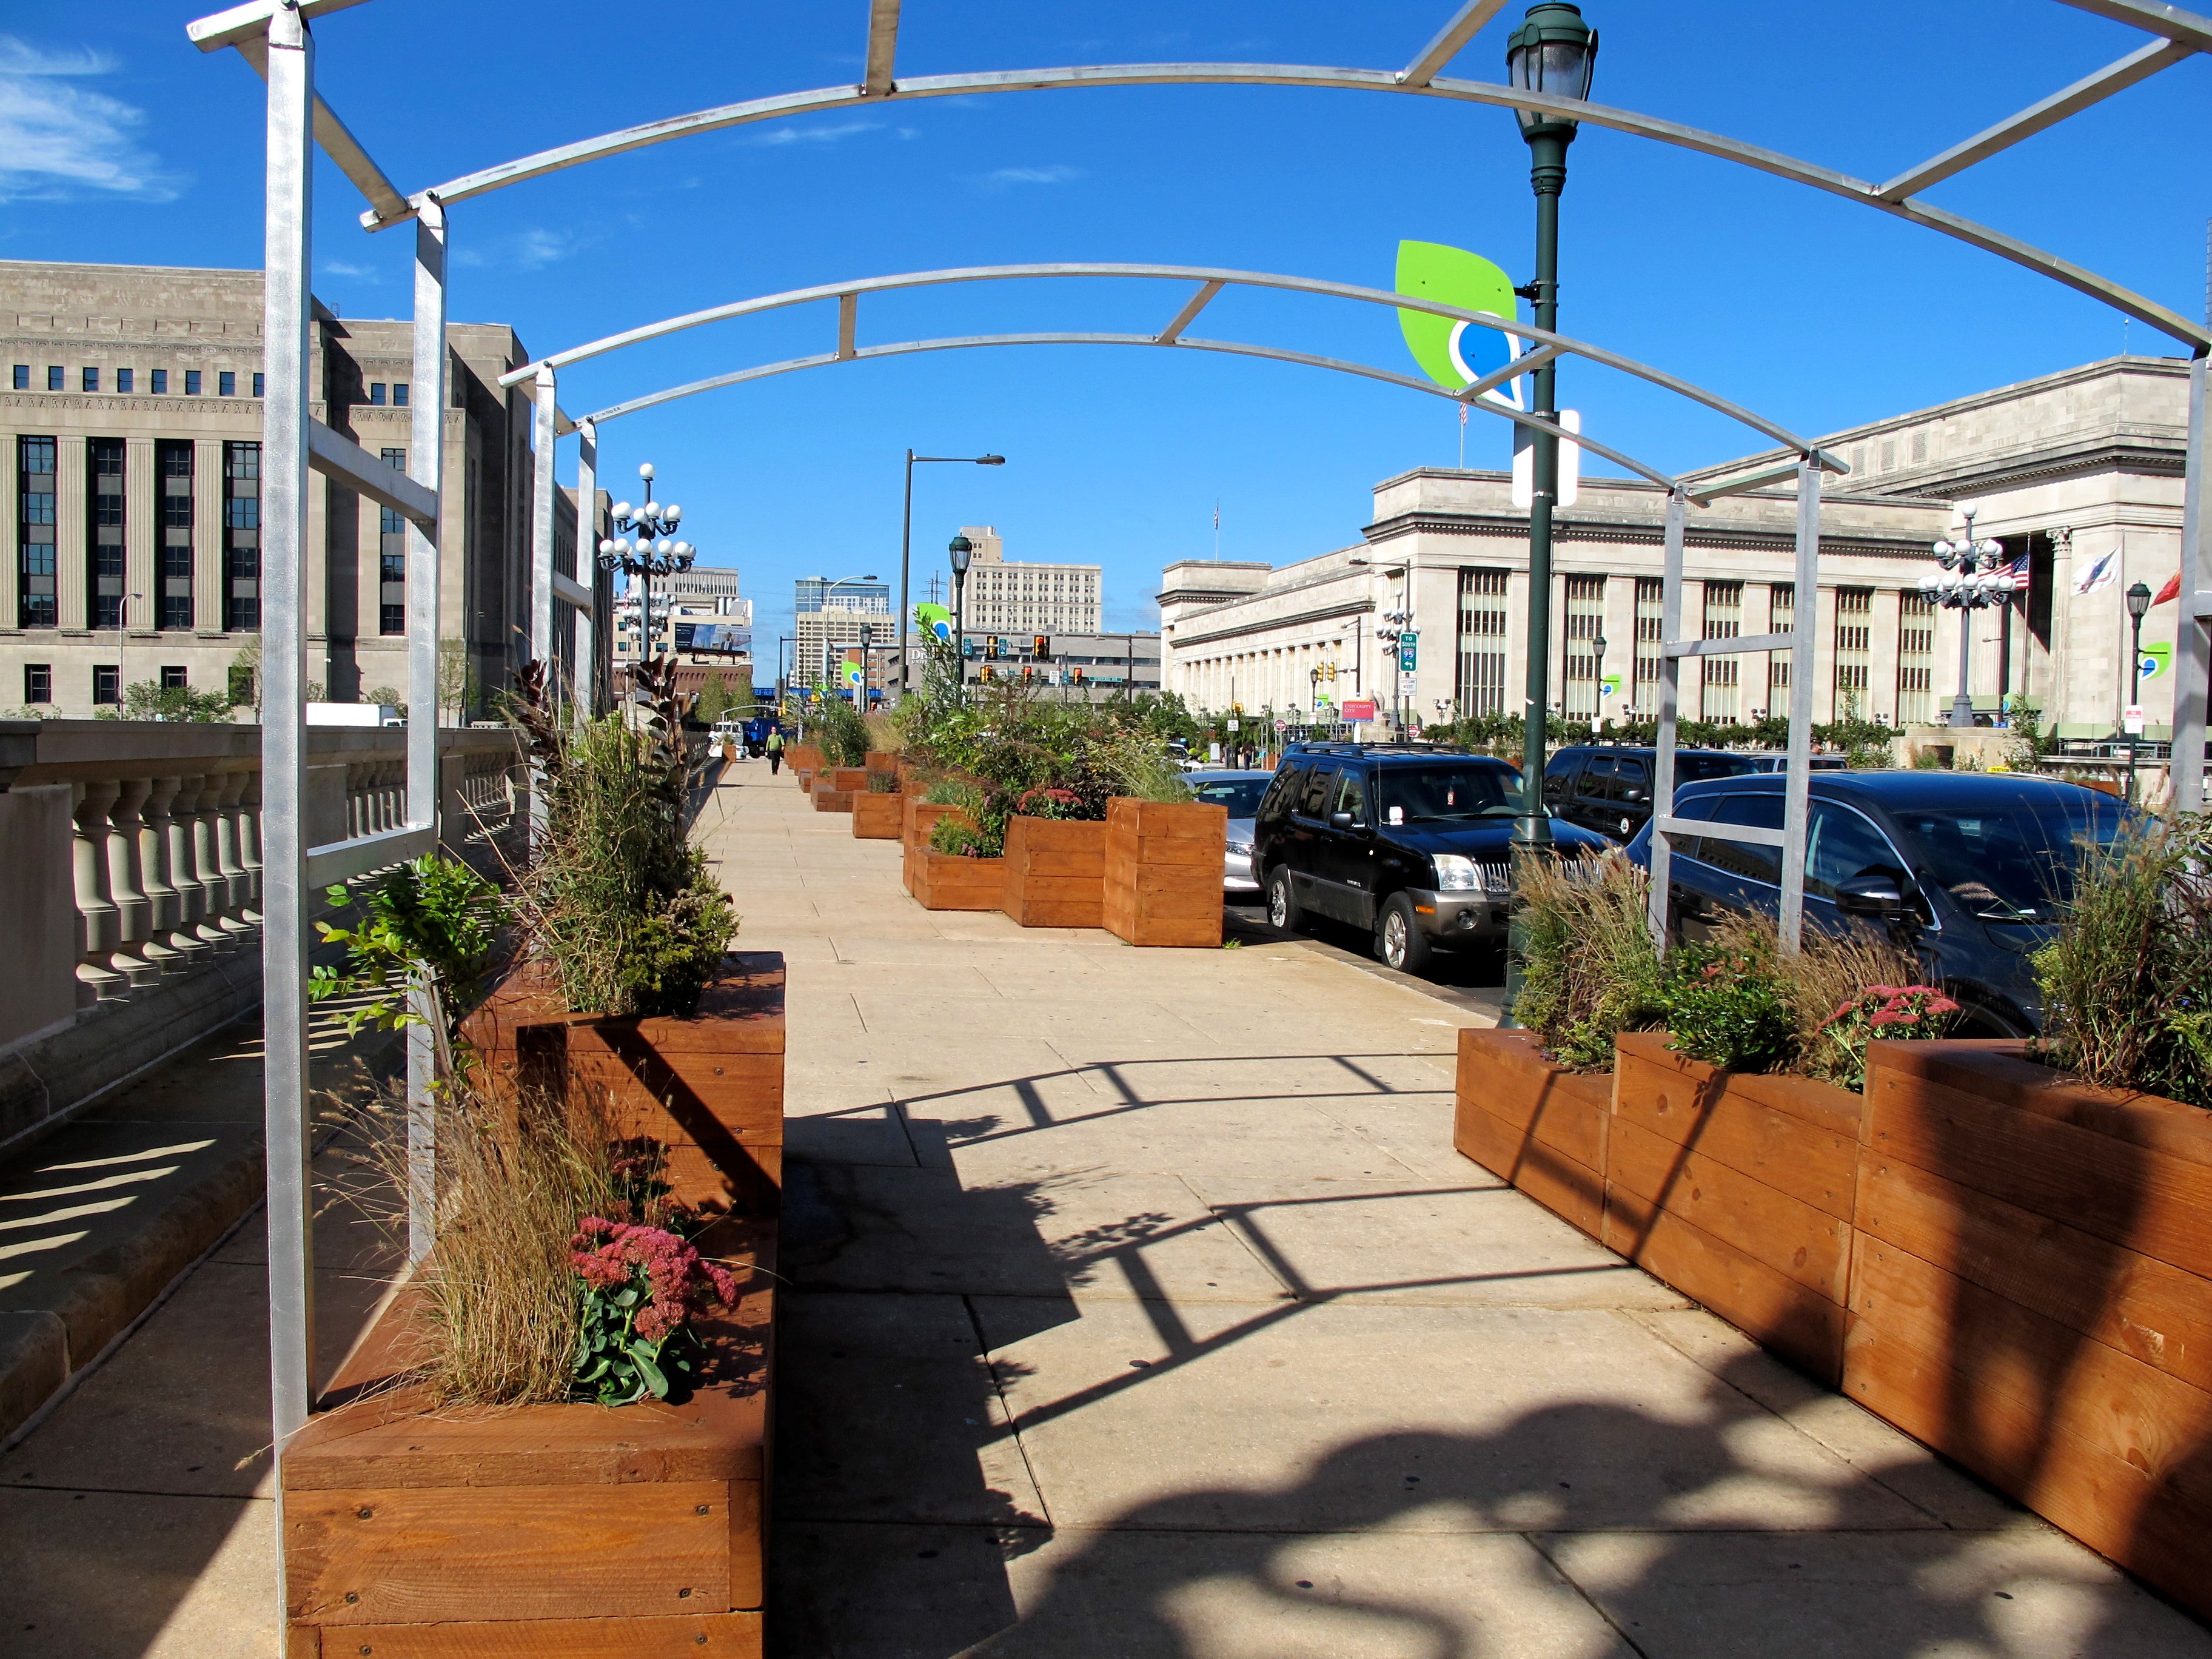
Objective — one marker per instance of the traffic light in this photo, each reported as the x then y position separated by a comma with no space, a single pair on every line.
1076,675
1028,673
991,646
983,674
1043,651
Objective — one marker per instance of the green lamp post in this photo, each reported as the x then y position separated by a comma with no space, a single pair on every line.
961,550
1553,52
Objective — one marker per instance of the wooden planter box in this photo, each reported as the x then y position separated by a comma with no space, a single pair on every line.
877,817
953,881
1162,880
2034,1294
1534,1123
803,756
918,818
568,1531
829,799
881,760
853,780
1055,873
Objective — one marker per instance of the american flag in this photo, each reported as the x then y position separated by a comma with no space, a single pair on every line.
2018,570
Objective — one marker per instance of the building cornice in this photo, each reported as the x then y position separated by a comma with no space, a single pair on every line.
1267,624
1740,538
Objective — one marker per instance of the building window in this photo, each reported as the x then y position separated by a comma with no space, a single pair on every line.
240,685
106,682
1916,658
173,462
1781,615
1854,614
1585,623
376,392
241,537
1724,619
192,383
1650,624
126,380
1889,454
22,377
174,677
57,378
91,380
399,394
226,383
38,682
1919,446
161,382
34,533
1481,678
392,560
104,550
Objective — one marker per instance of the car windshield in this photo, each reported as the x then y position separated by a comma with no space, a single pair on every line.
1422,794
1690,768
2011,861
1240,795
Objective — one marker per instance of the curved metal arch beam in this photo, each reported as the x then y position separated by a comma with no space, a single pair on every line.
1234,348
783,104
1204,274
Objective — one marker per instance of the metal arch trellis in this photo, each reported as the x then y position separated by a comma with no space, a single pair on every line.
274,37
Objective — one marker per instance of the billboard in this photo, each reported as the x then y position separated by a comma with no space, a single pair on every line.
1358,708
725,638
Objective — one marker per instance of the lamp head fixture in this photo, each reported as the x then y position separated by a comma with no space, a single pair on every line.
962,550
1553,52
2139,601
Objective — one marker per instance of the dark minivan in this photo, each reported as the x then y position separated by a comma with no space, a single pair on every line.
1412,845
1608,789
1971,869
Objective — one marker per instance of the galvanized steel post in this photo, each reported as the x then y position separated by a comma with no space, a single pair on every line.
1670,697
589,633
2192,650
541,535
1797,784
285,321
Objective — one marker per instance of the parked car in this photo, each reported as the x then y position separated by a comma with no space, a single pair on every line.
1608,789
1410,844
1768,761
1240,791
1968,869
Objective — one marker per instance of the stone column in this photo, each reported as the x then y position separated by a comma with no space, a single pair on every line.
70,577
134,911
99,926
207,537
142,514
10,573
165,903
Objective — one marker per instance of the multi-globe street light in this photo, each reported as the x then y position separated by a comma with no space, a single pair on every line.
906,542
643,546
1970,580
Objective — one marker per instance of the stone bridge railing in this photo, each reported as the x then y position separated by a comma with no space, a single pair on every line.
131,862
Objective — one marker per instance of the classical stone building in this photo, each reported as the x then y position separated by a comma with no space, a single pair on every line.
2078,473
1025,596
130,463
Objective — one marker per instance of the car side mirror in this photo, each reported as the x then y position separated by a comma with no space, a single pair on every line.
1631,794
1872,894
1339,820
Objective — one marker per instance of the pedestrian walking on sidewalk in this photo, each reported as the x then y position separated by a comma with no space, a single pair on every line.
774,750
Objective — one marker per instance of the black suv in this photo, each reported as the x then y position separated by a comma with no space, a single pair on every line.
1608,789
1969,869
1413,844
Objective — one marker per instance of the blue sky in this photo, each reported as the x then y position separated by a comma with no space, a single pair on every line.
120,144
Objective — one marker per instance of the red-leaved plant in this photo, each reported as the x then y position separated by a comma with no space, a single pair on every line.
1892,1012
642,1285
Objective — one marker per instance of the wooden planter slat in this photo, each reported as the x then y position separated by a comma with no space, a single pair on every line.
920,818
1534,1123
877,817
1055,873
2031,1294
953,881
569,1531
849,779
1164,872
883,760
831,800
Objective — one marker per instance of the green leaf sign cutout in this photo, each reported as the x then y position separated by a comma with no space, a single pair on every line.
1453,353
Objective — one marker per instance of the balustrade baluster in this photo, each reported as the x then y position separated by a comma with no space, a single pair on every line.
134,911
219,865
236,885
214,892
98,924
164,904
249,843
185,869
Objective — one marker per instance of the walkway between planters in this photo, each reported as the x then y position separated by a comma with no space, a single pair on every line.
1141,1309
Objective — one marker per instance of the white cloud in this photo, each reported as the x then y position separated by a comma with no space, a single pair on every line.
340,268
1004,178
527,250
59,141
776,137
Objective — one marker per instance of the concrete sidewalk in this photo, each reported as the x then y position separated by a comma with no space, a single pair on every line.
1142,1308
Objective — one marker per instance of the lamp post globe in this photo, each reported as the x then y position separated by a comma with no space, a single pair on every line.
645,546
960,549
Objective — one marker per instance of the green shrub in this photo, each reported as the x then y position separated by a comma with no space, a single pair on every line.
966,839
427,928
1723,1003
2127,985
1589,968
883,783
842,733
1893,1013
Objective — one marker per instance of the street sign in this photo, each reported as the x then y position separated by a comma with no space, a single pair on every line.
1408,651
2131,719
1358,708
1233,726
1408,685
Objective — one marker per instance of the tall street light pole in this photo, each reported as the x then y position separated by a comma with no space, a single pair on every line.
1553,51
654,552
1972,581
961,550
2138,608
906,544
828,588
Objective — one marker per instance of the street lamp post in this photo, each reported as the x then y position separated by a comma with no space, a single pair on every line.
1597,685
961,550
1395,624
2138,608
906,542
1971,581
643,547
1553,51
828,587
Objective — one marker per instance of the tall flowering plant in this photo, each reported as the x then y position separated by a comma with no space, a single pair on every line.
642,1285
1892,1012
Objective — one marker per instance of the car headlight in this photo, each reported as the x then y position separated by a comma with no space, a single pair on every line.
1242,849
1456,874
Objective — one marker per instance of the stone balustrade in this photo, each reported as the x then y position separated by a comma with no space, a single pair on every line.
131,851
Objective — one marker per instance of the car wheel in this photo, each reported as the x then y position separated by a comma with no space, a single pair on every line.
1283,911
1399,939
